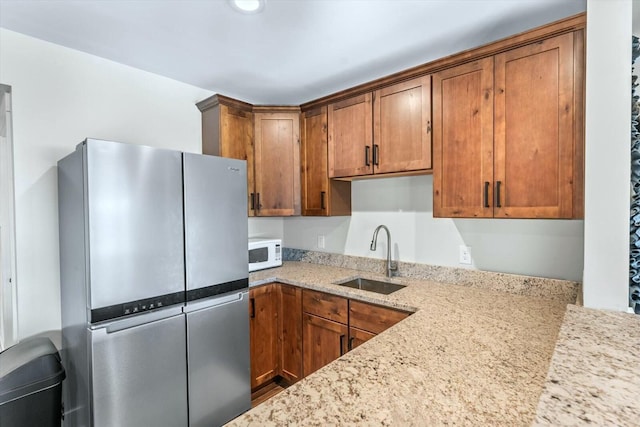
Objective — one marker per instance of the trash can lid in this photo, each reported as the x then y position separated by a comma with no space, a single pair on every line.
28,367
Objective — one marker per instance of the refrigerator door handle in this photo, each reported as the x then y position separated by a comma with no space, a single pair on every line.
216,301
137,320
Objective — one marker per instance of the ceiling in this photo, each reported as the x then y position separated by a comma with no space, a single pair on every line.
293,52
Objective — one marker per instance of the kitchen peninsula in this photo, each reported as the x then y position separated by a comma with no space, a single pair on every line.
468,355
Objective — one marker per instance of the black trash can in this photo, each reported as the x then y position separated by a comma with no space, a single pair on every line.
31,384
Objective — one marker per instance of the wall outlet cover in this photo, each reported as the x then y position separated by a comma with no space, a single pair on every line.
321,241
465,255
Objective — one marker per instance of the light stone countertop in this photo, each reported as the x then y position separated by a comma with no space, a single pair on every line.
467,356
594,376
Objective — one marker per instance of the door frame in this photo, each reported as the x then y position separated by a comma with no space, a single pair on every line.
8,280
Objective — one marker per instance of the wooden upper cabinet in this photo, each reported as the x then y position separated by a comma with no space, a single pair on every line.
463,140
277,162
321,196
227,131
350,137
509,133
387,131
402,126
534,130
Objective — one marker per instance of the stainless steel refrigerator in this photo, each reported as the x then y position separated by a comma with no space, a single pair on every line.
154,286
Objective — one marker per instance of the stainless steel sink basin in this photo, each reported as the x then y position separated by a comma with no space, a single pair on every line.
372,285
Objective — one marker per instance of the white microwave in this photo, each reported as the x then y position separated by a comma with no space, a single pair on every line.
264,253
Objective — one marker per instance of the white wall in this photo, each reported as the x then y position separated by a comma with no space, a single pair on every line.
61,96
546,248
266,227
608,129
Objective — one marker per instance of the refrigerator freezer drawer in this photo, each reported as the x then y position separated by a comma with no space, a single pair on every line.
218,353
140,373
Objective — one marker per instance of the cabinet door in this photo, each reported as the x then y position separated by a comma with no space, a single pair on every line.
358,336
277,164
350,137
463,140
263,327
290,329
324,341
534,130
321,196
402,126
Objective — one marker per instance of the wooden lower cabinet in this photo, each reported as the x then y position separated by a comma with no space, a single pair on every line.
358,336
324,341
290,332
373,318
295,332
263,326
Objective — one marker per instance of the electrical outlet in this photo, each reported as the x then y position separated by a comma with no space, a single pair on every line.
320,241
465,255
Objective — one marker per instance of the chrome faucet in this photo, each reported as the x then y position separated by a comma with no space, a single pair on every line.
391,265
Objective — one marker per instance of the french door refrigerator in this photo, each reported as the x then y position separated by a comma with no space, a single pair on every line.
154,283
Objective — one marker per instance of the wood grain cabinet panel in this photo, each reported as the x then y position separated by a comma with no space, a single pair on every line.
321,196
373,318
350,137
325,305
263,334
227,131
324,341
290,330
463,140
508,133
358,337
277,164
534,130
402,126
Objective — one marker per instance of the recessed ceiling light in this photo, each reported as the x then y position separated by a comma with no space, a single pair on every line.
247,6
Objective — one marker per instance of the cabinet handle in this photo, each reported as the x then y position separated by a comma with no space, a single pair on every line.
322,194
342,337
498,184
258,205
351,343
376,154
366,156
253,307
486,194
253,201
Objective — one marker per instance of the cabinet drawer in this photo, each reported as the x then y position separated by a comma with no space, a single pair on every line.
373,318
325,305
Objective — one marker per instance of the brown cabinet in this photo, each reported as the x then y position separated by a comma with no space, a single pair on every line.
263,334
387,131
463,140
268,138
290,332
402,126
373,318
334,325
325,329
358,336
350,137
507,133
321,196
324,341
227,131
277,161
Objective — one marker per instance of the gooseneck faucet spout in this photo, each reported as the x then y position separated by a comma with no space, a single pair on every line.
391,266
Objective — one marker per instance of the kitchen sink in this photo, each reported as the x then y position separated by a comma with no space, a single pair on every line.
372,285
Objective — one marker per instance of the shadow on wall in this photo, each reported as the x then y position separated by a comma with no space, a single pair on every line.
545,248
37,257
